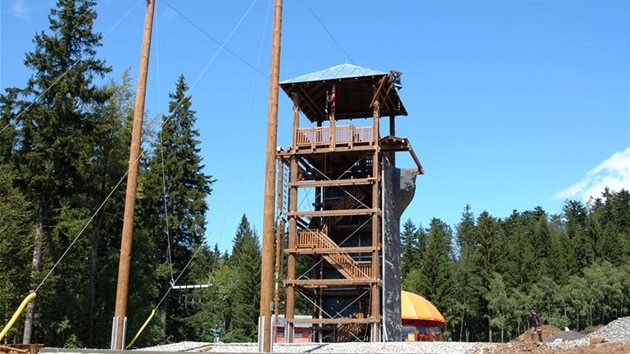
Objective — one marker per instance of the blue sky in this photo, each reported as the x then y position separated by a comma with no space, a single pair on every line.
512,104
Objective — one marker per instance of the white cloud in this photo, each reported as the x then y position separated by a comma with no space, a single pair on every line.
613,173
19,9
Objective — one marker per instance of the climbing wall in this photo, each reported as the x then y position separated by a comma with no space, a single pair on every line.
398,189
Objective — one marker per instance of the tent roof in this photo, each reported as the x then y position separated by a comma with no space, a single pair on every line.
354,91
415,307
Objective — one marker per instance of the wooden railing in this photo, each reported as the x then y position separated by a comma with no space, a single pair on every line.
345,264
321,136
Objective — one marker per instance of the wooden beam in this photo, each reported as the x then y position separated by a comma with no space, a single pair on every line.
330,283
306,98
344,320
333,183
377,92
325,213
349,250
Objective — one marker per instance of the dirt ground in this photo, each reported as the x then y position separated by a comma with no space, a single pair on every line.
525,344
533,348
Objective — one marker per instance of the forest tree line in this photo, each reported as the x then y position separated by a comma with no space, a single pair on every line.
64,150
487,274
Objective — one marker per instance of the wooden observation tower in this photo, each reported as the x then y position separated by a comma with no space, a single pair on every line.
346,239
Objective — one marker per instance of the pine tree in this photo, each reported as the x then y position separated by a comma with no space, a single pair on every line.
542,242
433,279
521,252
246,262
15,226
576,229
111,139
486,259
466,281
8,134
173,198
412,248
561,252
620,208
53,145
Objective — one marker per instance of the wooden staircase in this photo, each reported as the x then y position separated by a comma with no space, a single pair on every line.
346,265
349,201
351,332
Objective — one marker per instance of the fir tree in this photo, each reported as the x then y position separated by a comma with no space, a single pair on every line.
411,248
466,280
54,125
173,199
246,262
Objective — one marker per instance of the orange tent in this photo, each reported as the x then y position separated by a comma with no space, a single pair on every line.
415,307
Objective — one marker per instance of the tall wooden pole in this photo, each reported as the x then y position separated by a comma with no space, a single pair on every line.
267,272
132,182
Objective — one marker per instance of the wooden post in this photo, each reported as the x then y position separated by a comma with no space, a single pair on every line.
279,235
267,271
132,181
333,130
392,132
291,261
376,240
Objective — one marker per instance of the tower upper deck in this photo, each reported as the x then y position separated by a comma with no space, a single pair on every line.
356,90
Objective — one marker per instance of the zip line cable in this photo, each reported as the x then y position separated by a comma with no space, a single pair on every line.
83,229
163,298
243,131
327,31
215,40
164,194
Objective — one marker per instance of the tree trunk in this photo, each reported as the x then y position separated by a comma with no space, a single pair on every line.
95,241
489,327
36,262
461,326
163,320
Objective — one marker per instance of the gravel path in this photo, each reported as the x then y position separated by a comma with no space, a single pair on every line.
391,347
617,331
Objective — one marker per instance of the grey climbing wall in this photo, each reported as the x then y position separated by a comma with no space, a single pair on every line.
399,186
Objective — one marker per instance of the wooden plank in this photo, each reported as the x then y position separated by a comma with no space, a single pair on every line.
329,283
326,213
344,320
333,183
349,250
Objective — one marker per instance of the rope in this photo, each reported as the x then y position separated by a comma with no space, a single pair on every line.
213,39
168,229
243,131
163,297
84,227
327,31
